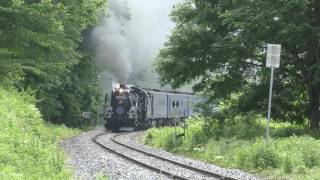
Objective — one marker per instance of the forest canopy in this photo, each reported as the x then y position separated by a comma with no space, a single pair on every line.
41,51
221,45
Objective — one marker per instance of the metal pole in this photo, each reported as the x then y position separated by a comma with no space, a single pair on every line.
175,130
269,104
154,80
184,129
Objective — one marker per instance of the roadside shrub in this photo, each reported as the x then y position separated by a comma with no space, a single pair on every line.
263,157
287,165
222,151
28,148
281,130
290,154
164,139
214,126
194,137
242,159
257,156
311,158
247,126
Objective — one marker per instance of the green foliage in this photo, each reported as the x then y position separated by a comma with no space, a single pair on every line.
246,126
194,136
221,46
294,156
259,157
291,153
231,121
166,137
28,147
165,140
40,48
281,130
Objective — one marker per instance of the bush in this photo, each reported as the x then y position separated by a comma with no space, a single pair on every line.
311,158
263,157
248,126
164,139
282,130
287,164
256,156
288,157
28,148
194,134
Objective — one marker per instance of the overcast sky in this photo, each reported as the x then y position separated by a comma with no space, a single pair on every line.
150,24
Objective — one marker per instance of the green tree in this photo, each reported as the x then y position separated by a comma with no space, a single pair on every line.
40,49
221,44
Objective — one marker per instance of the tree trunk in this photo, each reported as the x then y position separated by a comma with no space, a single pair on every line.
314,96
314,86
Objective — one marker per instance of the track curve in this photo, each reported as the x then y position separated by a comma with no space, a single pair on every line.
113,139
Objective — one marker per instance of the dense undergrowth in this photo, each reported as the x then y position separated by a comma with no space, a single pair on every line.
29,147
238,142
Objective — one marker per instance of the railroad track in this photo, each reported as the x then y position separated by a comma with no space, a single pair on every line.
112,144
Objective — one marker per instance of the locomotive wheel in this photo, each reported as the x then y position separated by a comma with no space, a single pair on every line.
115,130
106,126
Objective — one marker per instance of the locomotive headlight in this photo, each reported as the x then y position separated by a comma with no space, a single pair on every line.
121,90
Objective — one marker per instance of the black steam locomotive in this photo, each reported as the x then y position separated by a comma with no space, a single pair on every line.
134,108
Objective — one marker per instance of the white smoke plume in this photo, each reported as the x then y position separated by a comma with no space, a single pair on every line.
111,44
130,36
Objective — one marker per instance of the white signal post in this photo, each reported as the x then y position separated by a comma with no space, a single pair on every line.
273,61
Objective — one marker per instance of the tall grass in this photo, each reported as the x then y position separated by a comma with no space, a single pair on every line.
28,146
291,153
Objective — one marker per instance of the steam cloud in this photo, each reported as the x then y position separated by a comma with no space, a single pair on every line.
111,43
129,38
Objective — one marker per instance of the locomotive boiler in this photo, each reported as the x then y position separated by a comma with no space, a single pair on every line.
134,108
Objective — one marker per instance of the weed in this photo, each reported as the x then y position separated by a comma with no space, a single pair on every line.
28,146
291,153
263,157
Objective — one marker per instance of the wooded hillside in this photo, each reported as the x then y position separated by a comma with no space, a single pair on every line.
41,51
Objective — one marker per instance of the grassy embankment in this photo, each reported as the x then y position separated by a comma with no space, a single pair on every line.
28,146
238,143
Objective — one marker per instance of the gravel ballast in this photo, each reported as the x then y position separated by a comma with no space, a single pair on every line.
88,159
152,161
134,140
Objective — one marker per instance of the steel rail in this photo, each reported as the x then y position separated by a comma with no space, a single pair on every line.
209,173
174,176
170,174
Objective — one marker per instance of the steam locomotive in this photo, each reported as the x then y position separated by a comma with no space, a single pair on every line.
134,108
